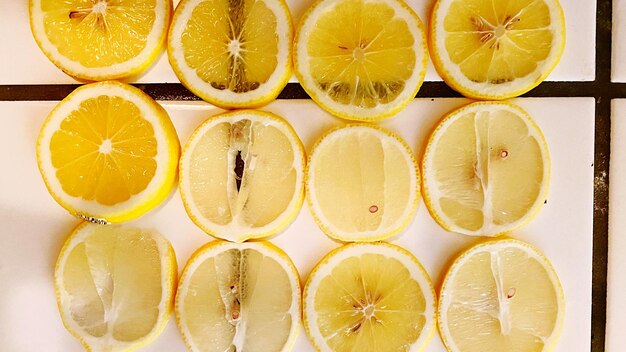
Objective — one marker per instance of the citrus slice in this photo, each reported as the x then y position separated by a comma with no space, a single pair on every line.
362,183
361,60
108,152
100,39
489,49
486,170
369,297
241,175
501,295
115,286
232,53
239,297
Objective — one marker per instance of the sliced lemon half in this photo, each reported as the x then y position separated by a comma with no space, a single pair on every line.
361,60
100,39
239,297
501,295
108,152
369,297
362,183
232,54
488,49
242,175
115,286
486,169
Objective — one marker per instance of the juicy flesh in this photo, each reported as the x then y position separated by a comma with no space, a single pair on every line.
370,303
501,301
360,53
362,183
104,151
98,33
243,173
232,44
239,300
113,284
488,170
497,41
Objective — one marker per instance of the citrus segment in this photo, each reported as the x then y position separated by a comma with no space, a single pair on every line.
486,170
104,39
115,286
232,53
362,183
361,60
108,152
369,297
242,175
496,49
501,296
238,297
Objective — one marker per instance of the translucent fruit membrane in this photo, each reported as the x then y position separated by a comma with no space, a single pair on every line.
243,172
489,169
501,299
238,300
113,284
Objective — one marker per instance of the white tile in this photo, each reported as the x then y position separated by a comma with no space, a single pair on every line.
34,226
21,61
616,279
618,67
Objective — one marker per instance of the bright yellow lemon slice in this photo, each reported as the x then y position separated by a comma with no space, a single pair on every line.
100,39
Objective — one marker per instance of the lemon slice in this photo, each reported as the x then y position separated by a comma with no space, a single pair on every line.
369,297
486,170
232,53
361,60
239,297
362,183
108,152
501,296
115,286
242,175
98,39
496,49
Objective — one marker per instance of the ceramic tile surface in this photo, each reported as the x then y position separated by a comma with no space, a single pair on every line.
616,279
34,227
26,64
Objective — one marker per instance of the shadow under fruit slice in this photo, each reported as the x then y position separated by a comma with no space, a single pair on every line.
369,297
241,175
239,297
108,152
115,286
